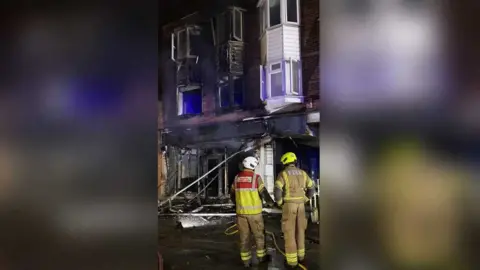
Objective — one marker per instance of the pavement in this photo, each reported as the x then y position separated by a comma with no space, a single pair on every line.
185,247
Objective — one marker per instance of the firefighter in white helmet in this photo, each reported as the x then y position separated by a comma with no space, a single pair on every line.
247,192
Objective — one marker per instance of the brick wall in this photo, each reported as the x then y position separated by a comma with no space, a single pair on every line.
309,46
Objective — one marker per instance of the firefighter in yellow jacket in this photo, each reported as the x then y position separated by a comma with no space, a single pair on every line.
247,192
291,186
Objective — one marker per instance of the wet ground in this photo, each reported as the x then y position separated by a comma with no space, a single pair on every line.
185,247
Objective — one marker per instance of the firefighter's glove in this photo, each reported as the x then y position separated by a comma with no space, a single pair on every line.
280,203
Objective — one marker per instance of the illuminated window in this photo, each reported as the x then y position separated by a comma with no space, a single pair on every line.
189,101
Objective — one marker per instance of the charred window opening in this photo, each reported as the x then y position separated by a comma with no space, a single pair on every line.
182,41
189,101
229,98
229,26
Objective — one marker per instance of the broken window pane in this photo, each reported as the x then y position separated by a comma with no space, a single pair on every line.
292,11
274,12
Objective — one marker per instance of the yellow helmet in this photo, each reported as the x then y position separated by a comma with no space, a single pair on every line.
288,157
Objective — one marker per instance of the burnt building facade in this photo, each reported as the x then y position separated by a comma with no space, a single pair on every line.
232,73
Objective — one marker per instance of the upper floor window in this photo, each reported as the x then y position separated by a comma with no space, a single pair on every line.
292,11
189,100
181,42
276,12
231,97
229,25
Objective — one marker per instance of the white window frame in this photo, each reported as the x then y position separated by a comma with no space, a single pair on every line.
235,12
173,47
281,16
269,77
291,61
264,7
285,12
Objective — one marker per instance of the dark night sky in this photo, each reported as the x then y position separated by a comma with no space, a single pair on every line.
171,10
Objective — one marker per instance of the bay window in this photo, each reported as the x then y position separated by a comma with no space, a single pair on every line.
276,12
281,79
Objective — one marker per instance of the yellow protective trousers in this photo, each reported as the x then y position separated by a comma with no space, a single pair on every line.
294,224
247,225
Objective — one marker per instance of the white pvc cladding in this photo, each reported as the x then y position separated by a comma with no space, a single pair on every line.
280,72
279,29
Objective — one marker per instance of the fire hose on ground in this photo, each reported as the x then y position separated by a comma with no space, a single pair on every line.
228,232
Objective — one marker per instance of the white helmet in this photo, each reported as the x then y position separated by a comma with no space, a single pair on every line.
250,163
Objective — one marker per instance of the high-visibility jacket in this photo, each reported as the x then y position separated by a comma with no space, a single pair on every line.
293,182
247,187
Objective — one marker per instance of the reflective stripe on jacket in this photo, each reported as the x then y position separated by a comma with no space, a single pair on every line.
247,186
294,182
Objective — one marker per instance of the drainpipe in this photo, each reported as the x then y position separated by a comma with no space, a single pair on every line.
225,180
